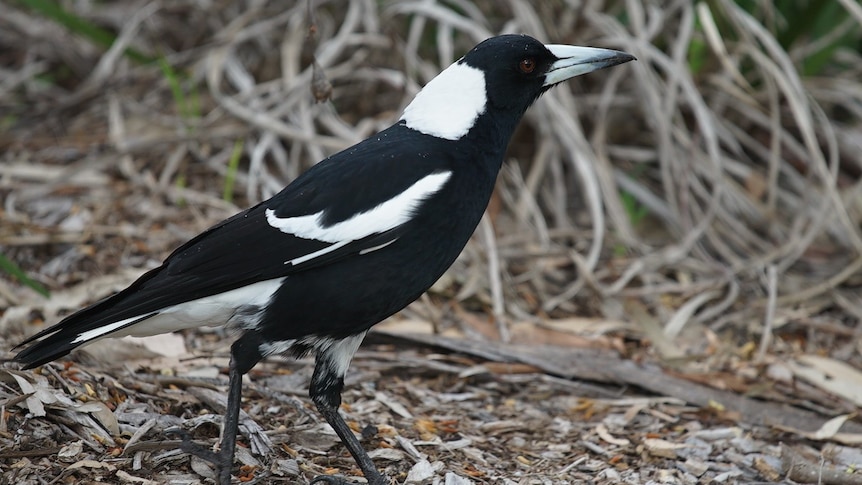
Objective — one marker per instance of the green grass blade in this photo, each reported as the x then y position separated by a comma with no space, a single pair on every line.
80,26
232,167
176,89
9,266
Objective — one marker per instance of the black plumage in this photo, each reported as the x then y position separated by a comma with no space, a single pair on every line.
350,242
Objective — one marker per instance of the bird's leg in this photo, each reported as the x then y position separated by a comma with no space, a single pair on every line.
325,391
223,459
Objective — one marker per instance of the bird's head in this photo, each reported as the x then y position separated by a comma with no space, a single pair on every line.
499,78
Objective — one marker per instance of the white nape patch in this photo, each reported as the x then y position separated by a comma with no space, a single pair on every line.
383,217
207,311
338,352
448,106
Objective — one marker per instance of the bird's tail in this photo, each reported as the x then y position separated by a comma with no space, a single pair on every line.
80,328
36,353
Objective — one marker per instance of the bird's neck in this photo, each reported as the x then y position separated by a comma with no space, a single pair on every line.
493,134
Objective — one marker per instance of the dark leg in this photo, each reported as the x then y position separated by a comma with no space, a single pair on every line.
223,460
325,391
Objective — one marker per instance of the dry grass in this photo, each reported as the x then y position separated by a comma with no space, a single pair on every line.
708,192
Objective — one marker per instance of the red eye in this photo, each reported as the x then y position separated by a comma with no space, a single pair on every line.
527,65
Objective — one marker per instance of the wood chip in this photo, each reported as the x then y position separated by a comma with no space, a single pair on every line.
394,405
662,448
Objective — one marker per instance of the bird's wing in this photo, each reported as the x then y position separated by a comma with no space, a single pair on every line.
355,202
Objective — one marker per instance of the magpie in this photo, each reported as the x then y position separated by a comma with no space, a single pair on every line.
348,243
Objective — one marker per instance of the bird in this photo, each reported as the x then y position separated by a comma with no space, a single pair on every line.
348,243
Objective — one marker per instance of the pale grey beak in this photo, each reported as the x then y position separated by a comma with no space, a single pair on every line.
574,60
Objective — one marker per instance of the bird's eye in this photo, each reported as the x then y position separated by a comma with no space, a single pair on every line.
527,65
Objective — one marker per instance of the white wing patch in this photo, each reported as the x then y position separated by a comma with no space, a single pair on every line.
315,254
101,331
383,217
375,248
448,106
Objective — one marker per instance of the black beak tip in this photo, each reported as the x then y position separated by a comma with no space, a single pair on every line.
624,57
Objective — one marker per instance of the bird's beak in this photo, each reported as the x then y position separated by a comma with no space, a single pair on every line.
574,60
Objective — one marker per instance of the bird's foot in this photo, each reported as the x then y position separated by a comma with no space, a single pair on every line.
222,461
335,480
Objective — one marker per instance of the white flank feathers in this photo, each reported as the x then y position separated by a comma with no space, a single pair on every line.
448,106
383,217
275,347
208,311
338,352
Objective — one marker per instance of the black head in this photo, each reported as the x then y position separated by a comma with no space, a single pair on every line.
497,81
519,68
514,67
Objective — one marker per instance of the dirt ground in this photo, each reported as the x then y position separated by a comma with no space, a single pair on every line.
664,290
